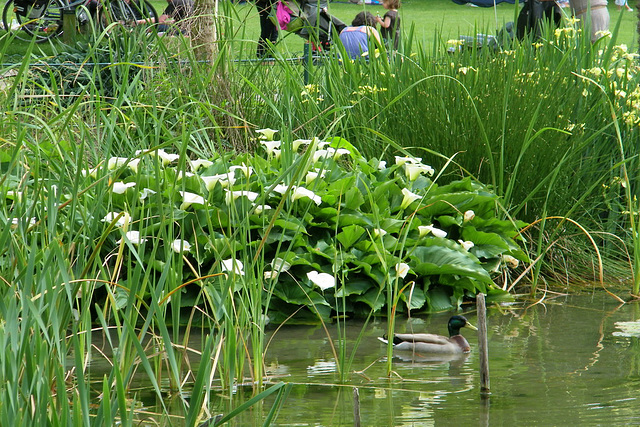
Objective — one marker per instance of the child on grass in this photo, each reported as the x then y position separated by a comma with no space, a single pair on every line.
390,23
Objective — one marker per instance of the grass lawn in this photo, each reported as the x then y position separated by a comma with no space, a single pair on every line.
431,19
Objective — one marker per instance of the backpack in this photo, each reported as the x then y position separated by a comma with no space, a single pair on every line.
288,16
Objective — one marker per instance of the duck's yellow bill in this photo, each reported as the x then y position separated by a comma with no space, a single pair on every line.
471,326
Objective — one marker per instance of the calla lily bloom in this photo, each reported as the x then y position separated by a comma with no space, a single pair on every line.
469,215
120,187
116,162
185,174
167,157
298,142
233,265
280,188
267,133
408,198
379,232
199,163
246,170
225,180
146,193
400,160
402,269
299,192
189,199
232,195
466,244
271,146
121,222
510,261
259,209
426,229
134,237
322,280
180,245
313,175
414,170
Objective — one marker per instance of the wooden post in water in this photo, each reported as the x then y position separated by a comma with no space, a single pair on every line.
356,407
482,345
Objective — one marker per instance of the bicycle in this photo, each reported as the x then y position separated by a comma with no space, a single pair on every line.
42,19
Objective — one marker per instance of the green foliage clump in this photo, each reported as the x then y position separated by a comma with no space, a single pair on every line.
314,223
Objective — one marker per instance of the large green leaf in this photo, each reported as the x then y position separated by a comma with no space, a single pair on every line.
445,258
350,235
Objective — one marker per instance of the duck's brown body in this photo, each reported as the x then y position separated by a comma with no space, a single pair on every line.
435,344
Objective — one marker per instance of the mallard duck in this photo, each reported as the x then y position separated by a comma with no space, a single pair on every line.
432,343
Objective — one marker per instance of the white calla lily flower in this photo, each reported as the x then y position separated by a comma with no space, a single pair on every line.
469,215
246,170
116,162
322,280
402,269
408,198
199,163
414,170
230,196
267,133
120,187
271,146
189,199
379,232
233,266
167,158
300,192
298,142
225,180
400,160
259,209
121,222
179,246
146,193
134,237
466,244
426,229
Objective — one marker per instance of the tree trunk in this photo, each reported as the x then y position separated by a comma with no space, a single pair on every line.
203,30
594,13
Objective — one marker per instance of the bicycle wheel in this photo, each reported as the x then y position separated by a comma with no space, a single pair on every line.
27,19
129,13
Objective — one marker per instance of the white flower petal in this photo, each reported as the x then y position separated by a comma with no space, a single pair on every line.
122,221
189,199
180,245
266,133
408,198
322,280
146,193
120,187
199,163
402,269
466,244
167,157
233,266
299,192
134,237
469,215
403,160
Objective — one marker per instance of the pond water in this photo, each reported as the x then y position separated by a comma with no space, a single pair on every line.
560,362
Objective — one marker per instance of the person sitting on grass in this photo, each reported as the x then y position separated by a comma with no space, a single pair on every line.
356,38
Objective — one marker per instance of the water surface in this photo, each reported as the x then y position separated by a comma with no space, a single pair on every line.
554,363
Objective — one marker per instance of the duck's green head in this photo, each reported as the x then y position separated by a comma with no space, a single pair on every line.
457,322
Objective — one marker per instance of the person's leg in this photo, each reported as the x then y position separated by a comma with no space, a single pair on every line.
268,30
